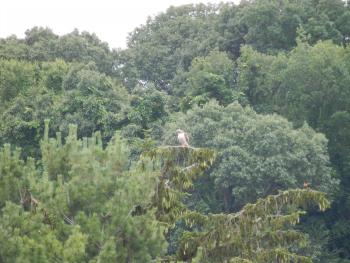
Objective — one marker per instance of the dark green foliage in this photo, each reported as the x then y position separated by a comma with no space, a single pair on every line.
79,201
279,20
53,74
41,44
169,42
70,209
309,84
15,77
21,123
64,93
92,100
179,167
258,155
13,48
209,77
148,105
258,233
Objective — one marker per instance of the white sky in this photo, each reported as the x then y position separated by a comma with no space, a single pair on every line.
111,20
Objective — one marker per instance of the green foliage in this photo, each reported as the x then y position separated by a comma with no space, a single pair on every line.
309,84
148,105
260,232
230,28
13,48
15,77
279,19
64,93
258,155
180,167
20,122
93,101
14,175
53,74
319,236
41,44
211,78
80,200
87,189
169,42
24,238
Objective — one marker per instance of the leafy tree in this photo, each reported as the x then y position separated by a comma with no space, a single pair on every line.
253,78
309,84
322,24
169,42
20,121
13,48
258,155
39,34
343,25
53,74
320,238
71,208
257,233
41,44
321,28
271,25
148,105
13,172
85,47
231,29
211,77
65,93
69,205
93,101
15,77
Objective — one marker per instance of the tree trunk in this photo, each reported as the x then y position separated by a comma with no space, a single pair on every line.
227,195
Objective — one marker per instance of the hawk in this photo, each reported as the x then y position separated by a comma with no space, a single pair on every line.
182,137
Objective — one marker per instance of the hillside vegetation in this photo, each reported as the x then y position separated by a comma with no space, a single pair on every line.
90,167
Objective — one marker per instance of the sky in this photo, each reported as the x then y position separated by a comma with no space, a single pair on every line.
110,20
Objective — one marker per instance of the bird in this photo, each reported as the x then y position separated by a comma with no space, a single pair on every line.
182,137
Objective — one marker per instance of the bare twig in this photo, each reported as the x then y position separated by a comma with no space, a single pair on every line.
190,167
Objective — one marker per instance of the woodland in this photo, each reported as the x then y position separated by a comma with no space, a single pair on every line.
91,169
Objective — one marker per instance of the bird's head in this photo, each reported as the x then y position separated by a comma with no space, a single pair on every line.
179,131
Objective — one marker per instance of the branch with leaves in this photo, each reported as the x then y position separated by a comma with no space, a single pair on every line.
260,232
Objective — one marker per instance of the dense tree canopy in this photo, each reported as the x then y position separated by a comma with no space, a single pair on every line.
258,155
261,88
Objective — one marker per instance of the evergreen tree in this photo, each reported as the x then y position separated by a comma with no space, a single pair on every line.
260,232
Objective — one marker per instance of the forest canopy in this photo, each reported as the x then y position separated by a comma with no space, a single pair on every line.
91,169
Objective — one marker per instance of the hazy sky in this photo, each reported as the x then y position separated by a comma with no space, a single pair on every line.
111,20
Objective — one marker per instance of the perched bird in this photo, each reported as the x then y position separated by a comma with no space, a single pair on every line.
306,185
182,137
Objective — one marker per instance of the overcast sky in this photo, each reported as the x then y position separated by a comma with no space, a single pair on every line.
111,20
